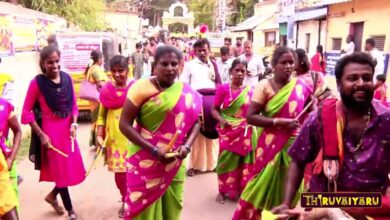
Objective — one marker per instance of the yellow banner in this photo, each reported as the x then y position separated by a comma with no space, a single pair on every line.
6,47
24,33
45,28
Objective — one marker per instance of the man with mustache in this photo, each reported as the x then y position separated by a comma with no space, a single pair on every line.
364,164
256,66
152,46
377,55
202,75
238,49
227,41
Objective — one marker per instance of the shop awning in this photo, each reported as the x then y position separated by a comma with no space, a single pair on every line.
311,15
330,2
250,23
306,15
269,26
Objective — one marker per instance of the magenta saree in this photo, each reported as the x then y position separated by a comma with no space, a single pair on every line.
235,161
265,189
153,185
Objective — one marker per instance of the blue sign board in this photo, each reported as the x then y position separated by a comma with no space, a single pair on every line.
332,58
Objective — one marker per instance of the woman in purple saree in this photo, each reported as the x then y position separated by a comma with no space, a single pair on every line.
165,114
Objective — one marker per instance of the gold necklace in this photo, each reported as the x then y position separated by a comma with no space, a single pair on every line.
230,90
364,131
158,83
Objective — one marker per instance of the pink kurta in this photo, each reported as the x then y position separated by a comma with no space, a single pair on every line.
55,168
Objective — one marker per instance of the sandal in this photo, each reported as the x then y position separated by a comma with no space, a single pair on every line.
220,198
20,180
72,217
55,205
191,172
121,212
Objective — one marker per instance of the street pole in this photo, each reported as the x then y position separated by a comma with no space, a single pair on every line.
224,12
214,20
141,17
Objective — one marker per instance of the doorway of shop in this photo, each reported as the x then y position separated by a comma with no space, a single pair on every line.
356,30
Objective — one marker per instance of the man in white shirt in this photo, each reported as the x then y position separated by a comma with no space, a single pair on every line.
202,75
377,56
350,46
255,64
163,37
224,63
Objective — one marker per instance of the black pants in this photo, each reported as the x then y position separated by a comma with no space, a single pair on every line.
64,193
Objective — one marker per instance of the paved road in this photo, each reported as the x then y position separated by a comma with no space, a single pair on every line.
98,199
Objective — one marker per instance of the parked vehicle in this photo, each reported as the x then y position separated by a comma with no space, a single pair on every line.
75,50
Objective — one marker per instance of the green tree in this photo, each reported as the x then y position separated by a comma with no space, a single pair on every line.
243,8
203,11
87,14
153,9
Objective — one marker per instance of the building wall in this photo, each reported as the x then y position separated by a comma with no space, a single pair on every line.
374,13
259,42
311,27
126,25
242,34
266,7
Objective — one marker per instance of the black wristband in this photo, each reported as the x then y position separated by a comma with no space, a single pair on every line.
154,151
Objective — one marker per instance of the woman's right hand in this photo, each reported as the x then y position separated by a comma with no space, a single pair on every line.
287,123
161,155
45,140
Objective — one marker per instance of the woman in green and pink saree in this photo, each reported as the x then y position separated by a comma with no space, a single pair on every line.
235,161
275,109
165,114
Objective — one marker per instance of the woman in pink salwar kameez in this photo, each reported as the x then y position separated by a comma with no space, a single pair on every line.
50,109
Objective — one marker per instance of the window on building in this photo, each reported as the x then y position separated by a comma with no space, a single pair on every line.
270,38
336,43
307,44
380,42
178,12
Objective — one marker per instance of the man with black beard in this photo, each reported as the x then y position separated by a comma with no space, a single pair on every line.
361,162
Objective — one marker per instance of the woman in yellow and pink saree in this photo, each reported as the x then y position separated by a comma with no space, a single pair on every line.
165,114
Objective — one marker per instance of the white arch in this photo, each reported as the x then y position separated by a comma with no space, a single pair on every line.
187,18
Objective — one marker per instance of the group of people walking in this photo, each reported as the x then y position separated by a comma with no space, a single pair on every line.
255,137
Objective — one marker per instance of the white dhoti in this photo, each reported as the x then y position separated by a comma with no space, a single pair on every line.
204,154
